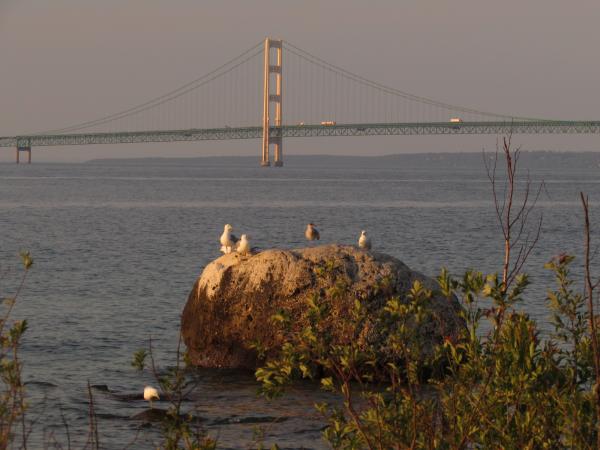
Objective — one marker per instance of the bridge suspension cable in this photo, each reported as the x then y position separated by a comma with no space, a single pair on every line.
218,73
372,95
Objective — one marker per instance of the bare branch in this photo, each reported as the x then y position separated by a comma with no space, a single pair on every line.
491,173
591,314
525,251
512,212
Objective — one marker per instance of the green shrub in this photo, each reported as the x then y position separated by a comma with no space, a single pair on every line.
504,388
12,392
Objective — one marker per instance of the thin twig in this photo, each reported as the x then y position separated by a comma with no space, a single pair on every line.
590,304
66,425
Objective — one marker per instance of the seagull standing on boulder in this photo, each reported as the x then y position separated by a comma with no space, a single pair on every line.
363,241
243,247
311,232
228,240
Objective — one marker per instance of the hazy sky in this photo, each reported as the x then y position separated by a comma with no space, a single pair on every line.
66,61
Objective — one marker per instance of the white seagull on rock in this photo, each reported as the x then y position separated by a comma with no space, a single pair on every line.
364,241
243,247
311,232
150,394
228,240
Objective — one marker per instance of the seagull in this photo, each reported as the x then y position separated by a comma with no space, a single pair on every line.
150,394
243,247
311,232
228,240
364,241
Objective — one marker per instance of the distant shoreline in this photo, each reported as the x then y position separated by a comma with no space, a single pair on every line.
537,159
532,159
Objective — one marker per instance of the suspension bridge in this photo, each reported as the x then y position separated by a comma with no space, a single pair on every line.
243,99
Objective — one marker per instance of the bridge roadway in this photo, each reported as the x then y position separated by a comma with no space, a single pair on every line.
291,131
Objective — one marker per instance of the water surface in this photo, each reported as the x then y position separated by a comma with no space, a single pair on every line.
118,246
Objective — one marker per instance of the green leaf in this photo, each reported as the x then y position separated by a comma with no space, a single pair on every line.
26,259
139,359
327,384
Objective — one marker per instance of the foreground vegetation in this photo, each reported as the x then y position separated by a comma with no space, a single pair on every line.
506,388
12,392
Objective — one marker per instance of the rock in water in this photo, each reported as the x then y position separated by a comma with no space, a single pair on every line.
232,302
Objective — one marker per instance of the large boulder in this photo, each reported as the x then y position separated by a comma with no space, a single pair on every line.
233,301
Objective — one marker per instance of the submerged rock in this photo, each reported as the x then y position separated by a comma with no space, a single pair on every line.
232,302
152,415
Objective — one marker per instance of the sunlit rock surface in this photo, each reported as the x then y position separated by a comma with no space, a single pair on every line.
232,302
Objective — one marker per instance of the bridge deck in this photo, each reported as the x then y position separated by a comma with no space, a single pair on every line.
289,131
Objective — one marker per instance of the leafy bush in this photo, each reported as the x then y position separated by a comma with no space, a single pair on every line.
506,388
12,393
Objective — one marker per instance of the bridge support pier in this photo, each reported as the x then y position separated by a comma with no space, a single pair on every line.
275,98
23,149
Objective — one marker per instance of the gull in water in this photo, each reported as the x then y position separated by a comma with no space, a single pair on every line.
228,240
311,232
150,394
243,247
364,241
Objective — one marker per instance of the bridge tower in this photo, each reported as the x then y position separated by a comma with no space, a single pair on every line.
23,147
276,98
